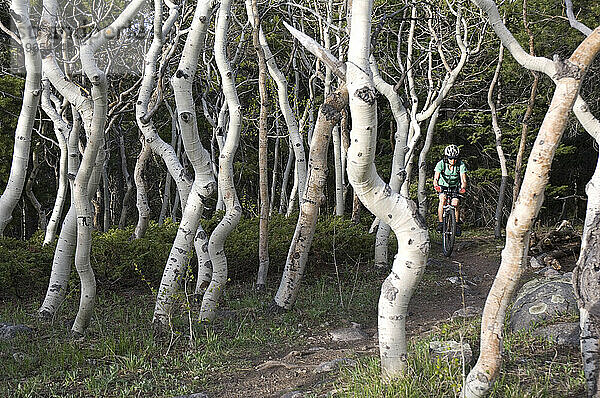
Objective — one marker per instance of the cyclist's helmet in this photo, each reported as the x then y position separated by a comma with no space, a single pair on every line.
452,151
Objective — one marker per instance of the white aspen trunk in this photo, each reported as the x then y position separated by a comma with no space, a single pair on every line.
263,243
84,175
286,109
483,375
204,183
283,200
337,164
64,253
141,193
233,210
567,75
204,263
499,150
293,194
329,115
128,184
143,105
35,163
422,189
528,112
400,213
106,221
345,143
19,10
62,132
585,275
276,162
401,137
67,239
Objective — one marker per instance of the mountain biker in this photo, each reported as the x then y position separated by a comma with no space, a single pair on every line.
450,172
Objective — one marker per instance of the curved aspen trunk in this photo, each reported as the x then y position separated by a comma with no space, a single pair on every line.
65,249
585,275
142,111
67,239
286,109
283,200
62,132
35,163
141,194
19,11
401,137
568,79
329,115
85,174
204,183
263,242
585,284
233,210
528,111
498,134
422,189
204,263
339,172
128,184
399,212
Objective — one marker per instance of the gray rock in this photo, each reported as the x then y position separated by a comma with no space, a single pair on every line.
448,350
453,279
566,333
8,331
293,394
549,272
348,334
542,299
467,312
335,364
535,263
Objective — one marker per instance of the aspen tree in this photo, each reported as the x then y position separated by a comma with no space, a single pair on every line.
263,243
233,210
567,75
19,11
204,183
400,213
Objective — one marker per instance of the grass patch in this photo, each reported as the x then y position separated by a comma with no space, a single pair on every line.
532,367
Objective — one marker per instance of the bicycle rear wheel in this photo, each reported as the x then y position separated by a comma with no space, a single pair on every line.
449,232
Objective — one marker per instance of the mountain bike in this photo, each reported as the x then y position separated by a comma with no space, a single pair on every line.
449,221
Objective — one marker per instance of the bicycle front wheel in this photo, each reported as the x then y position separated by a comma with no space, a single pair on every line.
449,232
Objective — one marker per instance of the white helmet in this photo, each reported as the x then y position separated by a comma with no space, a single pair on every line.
452,151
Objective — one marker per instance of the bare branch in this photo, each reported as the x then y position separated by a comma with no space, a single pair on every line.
338,67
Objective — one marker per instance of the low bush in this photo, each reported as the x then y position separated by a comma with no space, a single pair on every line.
120,261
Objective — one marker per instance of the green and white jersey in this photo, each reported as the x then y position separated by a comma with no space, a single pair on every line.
450,176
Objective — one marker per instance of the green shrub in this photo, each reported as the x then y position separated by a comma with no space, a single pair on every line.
24,266
119,261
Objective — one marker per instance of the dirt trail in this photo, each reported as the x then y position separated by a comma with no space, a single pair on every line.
449,284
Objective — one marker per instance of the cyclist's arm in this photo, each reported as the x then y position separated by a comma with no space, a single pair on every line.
436,178
463,180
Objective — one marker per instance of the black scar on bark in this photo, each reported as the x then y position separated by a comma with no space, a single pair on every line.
179,74
366,94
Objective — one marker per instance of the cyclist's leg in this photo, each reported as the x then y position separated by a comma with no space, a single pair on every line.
456,204
442,202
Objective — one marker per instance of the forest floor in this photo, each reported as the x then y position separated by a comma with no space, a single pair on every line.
449,284
251,351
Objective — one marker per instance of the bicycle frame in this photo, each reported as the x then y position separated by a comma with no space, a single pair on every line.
449,221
